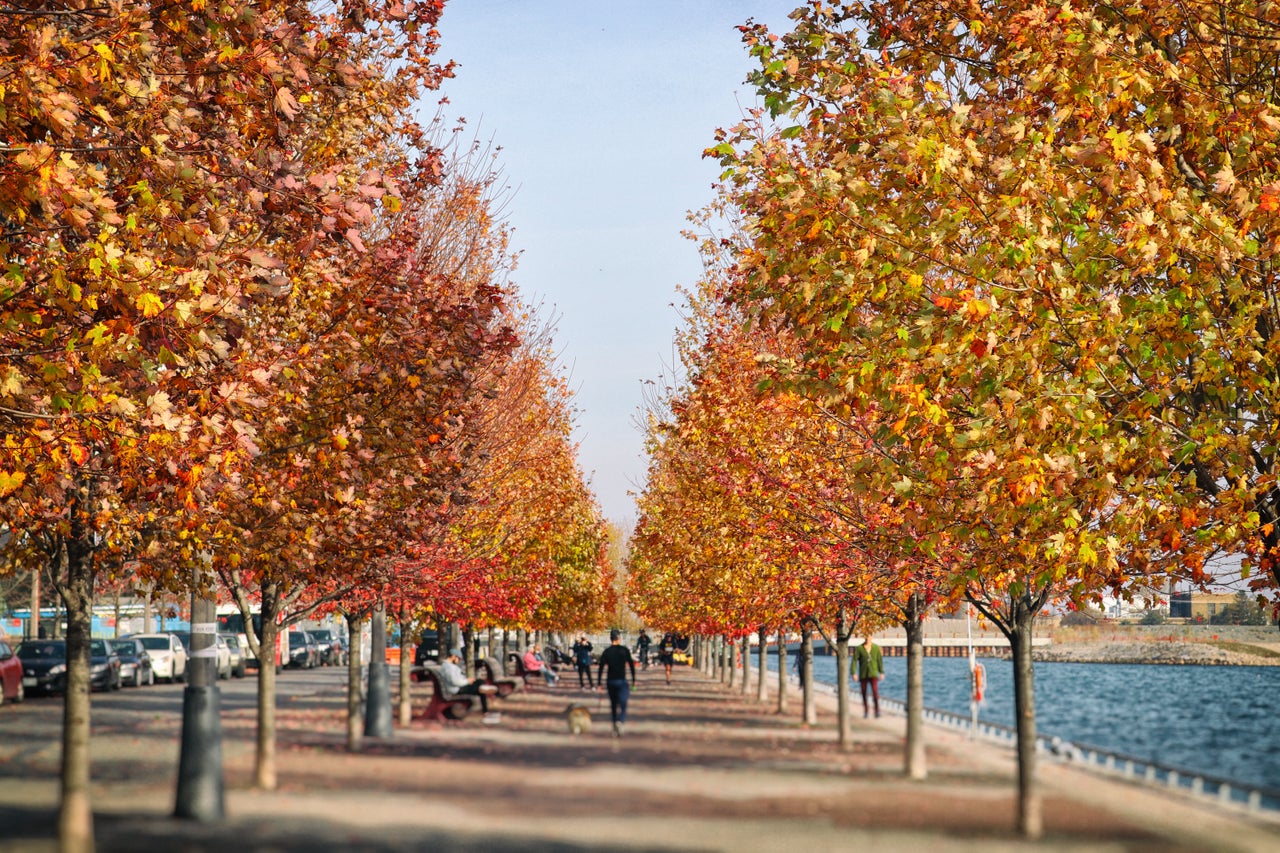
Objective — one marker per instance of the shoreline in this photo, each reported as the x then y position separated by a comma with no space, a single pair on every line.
1168,653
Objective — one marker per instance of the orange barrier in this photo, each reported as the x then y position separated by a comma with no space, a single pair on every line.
393,655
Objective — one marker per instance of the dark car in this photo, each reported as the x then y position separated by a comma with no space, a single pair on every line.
302,650
135,663
44,665
428,649
104,666
11,688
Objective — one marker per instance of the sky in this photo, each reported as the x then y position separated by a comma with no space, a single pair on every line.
602,110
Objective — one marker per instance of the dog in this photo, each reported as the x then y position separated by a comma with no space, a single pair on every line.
578,718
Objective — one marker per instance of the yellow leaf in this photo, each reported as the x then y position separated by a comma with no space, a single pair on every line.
149,304
10,482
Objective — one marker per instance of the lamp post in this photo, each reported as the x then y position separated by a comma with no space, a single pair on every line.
200,785
377,715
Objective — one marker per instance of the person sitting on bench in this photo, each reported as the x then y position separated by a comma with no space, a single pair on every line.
455,683
533,663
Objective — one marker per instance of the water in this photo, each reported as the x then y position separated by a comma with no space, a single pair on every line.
1216,720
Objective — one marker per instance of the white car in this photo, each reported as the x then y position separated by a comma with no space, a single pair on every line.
168,655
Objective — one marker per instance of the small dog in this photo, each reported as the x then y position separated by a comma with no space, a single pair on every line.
578,718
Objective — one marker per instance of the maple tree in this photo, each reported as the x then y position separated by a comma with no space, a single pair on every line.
168,172
1018,234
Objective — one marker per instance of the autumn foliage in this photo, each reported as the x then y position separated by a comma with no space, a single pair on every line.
249,305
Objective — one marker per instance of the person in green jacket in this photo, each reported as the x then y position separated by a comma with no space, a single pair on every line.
869,663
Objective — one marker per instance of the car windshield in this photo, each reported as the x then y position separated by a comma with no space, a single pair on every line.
98,648
157,643
124,647
39,649
297,638
322,636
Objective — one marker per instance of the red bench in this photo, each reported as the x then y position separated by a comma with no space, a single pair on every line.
443,707
527,676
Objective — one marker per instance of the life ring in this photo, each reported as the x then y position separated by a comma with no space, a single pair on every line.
979,677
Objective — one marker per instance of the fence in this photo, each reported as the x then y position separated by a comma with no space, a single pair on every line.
1153,773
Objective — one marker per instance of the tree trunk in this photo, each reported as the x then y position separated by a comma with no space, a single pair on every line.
746,664
506,650
782,670
762,665
488,643
913,625
355,683
75,814
1030,817
469,655
404,704
733,663
34,624
806,677
264,770
843,628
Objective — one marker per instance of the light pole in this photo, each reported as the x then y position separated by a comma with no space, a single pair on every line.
377,715
200,785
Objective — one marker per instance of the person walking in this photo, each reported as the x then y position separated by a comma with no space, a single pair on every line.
667,653
642,646
869,665
612,673
582,659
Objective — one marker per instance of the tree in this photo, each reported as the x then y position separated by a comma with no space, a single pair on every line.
957,231
1242,611
167,173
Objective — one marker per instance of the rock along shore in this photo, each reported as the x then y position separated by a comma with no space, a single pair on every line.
1153,652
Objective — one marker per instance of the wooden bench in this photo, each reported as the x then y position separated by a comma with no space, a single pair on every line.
443,707
491,672
528,677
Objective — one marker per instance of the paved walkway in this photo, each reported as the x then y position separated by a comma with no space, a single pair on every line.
699,768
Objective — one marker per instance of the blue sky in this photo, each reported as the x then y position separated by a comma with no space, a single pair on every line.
602,111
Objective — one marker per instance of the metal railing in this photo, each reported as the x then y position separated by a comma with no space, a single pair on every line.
1251,798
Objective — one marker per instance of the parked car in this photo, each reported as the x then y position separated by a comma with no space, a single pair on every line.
302,650
11,688
236,654
104,666
135,663
168,655
224,657
428,650
324,645
44,665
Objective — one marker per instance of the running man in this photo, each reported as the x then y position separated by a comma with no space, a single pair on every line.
616,659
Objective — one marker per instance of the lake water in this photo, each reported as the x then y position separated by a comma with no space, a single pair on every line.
1218,720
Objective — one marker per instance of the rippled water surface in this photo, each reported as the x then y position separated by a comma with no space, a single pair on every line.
1217,720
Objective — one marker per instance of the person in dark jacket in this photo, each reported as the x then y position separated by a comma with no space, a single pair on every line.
615,660
582,659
